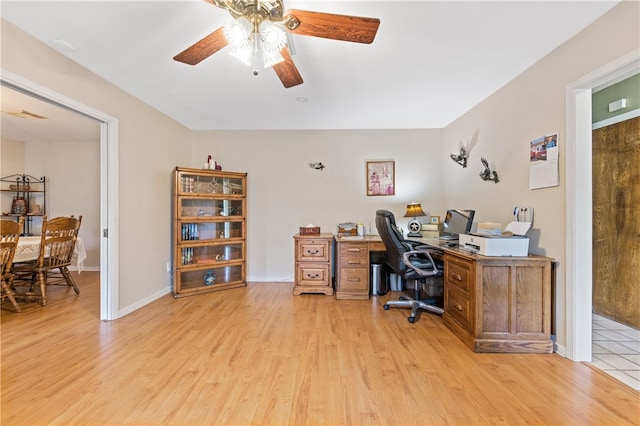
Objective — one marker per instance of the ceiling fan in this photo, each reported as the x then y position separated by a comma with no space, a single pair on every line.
260,26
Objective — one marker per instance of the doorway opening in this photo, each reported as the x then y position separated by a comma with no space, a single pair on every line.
109,308
578,220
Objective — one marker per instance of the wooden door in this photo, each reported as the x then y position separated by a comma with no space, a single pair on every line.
616,222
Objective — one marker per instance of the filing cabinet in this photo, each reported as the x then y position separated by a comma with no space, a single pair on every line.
313,264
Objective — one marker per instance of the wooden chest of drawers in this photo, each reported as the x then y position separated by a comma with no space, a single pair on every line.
313,268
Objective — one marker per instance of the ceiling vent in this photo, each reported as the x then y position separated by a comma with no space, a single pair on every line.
25,114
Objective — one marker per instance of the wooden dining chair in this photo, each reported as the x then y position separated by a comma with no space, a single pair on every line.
58,240
9,235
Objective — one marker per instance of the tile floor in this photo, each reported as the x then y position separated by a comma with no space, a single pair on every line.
616,350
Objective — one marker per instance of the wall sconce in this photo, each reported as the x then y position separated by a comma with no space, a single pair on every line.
487,173
414,210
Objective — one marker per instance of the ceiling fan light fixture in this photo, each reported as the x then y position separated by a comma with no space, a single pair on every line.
261,28
245,42
270,58
238,31
243,52
238,34
273,37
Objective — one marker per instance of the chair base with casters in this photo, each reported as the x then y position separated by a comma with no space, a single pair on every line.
415,303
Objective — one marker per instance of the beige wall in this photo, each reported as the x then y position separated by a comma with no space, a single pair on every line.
11,160
150,145
530,106
284,193
73,188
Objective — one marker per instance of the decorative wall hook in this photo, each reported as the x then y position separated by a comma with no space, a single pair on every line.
317,166
487,173
461,158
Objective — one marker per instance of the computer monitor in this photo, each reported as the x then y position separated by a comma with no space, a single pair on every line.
457,222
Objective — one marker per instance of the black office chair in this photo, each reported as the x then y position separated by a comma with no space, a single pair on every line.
411,261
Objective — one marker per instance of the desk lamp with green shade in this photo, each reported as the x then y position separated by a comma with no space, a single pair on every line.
414,210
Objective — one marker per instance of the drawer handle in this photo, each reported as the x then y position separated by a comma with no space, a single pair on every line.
313,276
353,262
354,250
459,307
456,276
313,252
354,280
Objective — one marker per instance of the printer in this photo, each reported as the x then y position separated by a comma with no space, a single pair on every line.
511,242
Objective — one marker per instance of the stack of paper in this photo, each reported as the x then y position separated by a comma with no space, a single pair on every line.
489,228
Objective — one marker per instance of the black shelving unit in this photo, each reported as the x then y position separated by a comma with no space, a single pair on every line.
21,196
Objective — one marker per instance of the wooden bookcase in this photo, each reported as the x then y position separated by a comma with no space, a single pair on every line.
209,231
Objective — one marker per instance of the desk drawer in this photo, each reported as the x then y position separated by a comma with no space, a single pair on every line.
312,274
353,250
458,273
313,251
458,305
376,246
354,279
353,261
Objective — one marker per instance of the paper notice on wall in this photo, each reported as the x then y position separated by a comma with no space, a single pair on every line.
543,162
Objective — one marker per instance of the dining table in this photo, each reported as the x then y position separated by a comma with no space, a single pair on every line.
29,249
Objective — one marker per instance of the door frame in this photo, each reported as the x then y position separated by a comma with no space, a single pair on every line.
578,220
109,304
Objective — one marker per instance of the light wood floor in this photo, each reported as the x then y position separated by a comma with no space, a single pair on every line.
258,355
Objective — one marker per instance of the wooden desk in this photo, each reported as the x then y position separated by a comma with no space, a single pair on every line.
493,304
352,273
498,304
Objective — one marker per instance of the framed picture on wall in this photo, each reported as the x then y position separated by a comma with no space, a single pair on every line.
381,178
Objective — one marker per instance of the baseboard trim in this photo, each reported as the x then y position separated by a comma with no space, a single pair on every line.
139,304
87,268
560,350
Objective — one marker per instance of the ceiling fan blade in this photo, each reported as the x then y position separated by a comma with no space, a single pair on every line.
287,71
203,48
337,27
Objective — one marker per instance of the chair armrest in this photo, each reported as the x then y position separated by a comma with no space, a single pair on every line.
425,253
413,245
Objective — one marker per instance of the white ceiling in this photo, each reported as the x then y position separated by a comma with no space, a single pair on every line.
431,61
59,124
